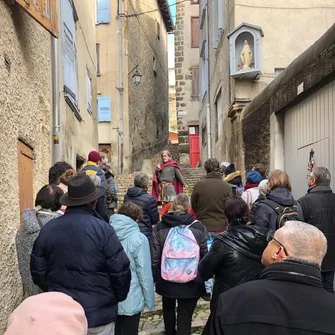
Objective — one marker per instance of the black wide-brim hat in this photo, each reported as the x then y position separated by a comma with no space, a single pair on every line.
81,191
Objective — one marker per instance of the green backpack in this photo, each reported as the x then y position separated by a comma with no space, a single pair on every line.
285,213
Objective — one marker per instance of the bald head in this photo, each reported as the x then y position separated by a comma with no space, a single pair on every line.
303,241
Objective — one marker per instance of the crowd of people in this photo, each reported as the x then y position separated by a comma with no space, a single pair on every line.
265,260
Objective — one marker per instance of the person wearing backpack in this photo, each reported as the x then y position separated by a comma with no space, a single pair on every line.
251,193
263,190
234,179
279,205
235,256
178,243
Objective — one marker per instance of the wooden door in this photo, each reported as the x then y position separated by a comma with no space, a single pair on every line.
26,192
107,149
194,146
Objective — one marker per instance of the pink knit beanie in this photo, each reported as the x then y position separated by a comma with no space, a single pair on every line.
49,313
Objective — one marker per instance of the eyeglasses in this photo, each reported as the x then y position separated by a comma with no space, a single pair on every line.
270,237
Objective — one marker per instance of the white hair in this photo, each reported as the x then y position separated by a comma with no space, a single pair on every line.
263,187
303,241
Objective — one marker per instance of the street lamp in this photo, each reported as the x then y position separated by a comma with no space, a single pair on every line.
136,77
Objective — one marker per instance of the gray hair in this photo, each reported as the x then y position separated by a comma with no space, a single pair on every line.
321,175
303,241
141,180
263,187
167,152
96,179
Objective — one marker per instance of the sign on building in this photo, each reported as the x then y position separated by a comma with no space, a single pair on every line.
43,11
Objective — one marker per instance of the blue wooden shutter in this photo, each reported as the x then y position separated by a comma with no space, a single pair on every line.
103,11
69,48
104,109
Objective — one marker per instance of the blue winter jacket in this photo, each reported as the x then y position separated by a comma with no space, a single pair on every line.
148,203
80,255
141,294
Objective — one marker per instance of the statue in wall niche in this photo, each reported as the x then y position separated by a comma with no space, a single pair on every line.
246,56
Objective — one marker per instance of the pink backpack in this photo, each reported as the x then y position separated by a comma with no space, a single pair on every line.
180,256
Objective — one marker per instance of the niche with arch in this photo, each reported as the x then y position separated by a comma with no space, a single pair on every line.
245,51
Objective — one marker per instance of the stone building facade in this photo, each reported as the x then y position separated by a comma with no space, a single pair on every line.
279,32
25,135
26,119
145,113
187,79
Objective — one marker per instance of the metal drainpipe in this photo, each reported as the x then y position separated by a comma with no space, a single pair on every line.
208,107
55,100
120,33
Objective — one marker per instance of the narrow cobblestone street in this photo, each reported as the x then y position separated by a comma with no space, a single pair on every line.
152,321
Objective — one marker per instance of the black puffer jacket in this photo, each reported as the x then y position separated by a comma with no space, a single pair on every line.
192,289
235,258
265,216
318,208
80,255
148,203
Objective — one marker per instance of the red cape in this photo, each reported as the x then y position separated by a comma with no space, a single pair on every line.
178,186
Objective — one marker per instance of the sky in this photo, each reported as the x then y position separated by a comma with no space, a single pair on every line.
171,36
173,9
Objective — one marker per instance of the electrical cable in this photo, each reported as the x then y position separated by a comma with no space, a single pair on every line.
153,10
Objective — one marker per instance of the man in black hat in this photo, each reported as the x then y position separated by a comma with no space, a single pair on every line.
80,255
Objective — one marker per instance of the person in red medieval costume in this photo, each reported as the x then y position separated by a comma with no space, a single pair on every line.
168,181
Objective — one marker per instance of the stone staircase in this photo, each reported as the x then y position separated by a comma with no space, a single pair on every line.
127,180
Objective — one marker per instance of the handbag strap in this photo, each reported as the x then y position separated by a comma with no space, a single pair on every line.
39,221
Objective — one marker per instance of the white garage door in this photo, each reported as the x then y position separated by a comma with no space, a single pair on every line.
310,125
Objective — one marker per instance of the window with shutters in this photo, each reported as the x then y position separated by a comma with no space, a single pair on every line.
69,18
103,11
195,83
195,32
218,22
43,11
104,109
204,69
219,115
88,92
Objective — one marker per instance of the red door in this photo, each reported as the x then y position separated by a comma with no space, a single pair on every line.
194,146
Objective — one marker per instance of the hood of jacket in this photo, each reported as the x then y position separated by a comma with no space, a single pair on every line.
281,196
236,181
293,271
135,191
29,221
232,176
174,220
124,226
247,239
